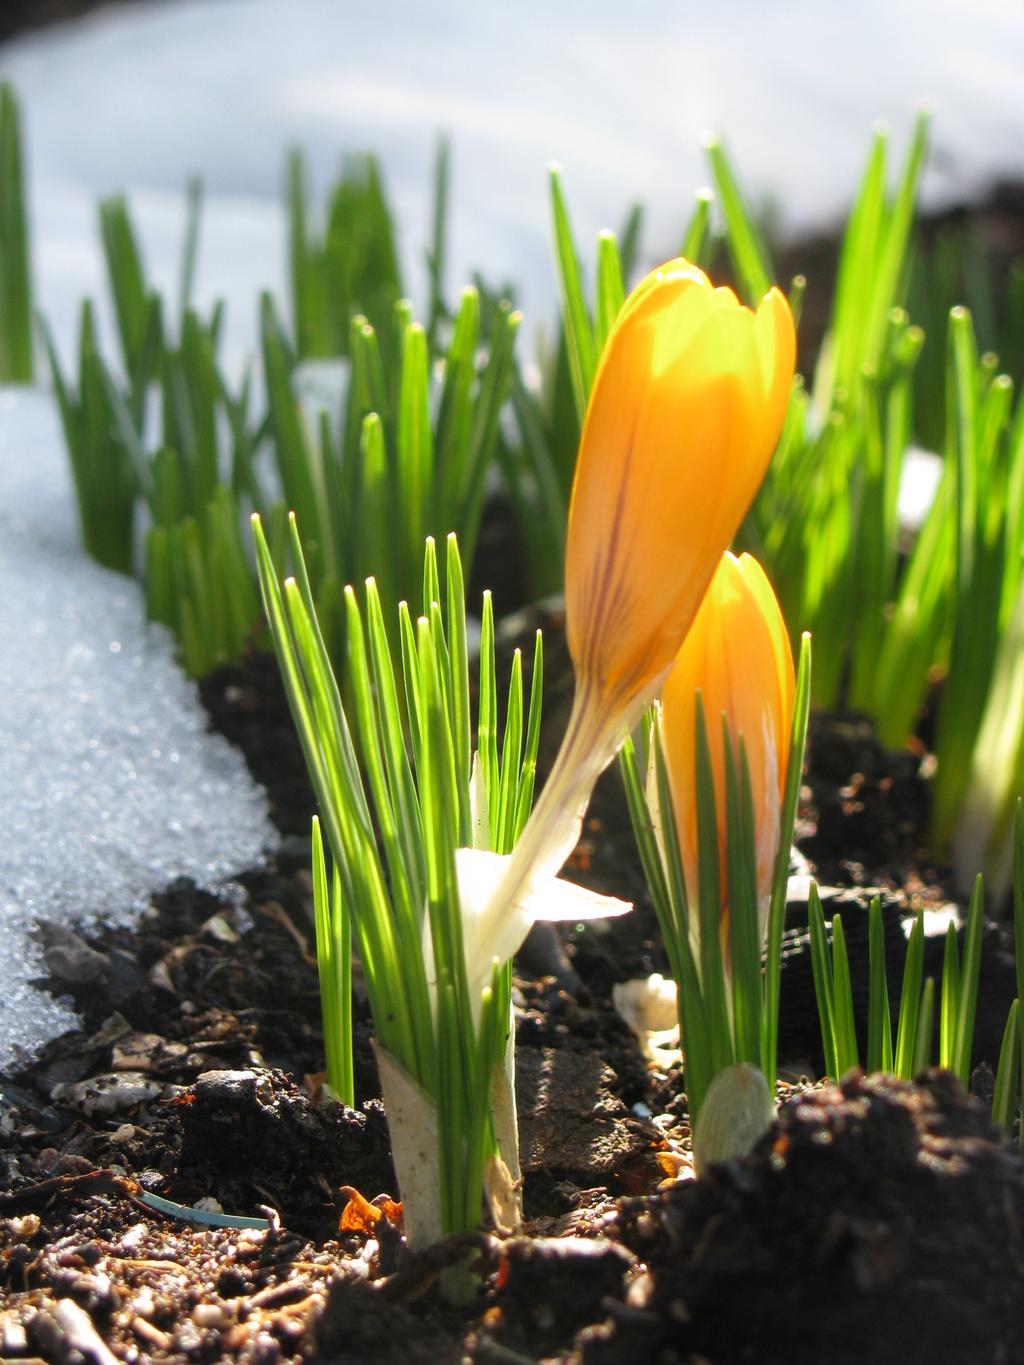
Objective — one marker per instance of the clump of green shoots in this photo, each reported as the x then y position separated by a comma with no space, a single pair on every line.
352,268
408,449
915,1047
951,1002
407,834
406,457
104,448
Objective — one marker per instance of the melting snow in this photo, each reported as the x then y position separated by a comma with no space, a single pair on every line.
110,786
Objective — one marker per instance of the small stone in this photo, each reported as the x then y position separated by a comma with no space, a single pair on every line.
133,1239
144,1305
25,1227
209,1315
69,959
264,1350
13,1338
220,930
102,1095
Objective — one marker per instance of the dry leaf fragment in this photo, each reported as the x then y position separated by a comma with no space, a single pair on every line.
360,1215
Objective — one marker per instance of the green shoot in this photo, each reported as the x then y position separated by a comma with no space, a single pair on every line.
16,360
833,991
967,1001
127,278
352,268
910,1004
746,247
880,1055
579,330
334,963
1004,1095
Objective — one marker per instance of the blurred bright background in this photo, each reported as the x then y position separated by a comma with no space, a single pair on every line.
136,96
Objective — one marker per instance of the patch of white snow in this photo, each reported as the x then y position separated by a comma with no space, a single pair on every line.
110,786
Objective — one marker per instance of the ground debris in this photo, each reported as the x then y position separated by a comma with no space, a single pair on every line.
187,1293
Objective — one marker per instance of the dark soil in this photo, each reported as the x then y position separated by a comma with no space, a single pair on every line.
197,1071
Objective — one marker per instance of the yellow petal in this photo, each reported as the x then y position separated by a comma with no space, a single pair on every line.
684,414
737,655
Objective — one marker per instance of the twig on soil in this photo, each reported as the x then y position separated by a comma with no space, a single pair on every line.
102,1181
275,910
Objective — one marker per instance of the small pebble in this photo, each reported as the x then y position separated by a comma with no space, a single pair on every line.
132,1240
187,1339
101,1095
73,1164
264,1350
24,1227
144,1305
208,1315
218,928
13,1339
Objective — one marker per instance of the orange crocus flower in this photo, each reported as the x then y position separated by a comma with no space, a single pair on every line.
684,414
737,655
683,418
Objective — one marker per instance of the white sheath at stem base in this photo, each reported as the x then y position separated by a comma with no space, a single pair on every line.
412,1125
506,1119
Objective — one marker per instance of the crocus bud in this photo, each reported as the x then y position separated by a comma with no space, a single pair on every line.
738,656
